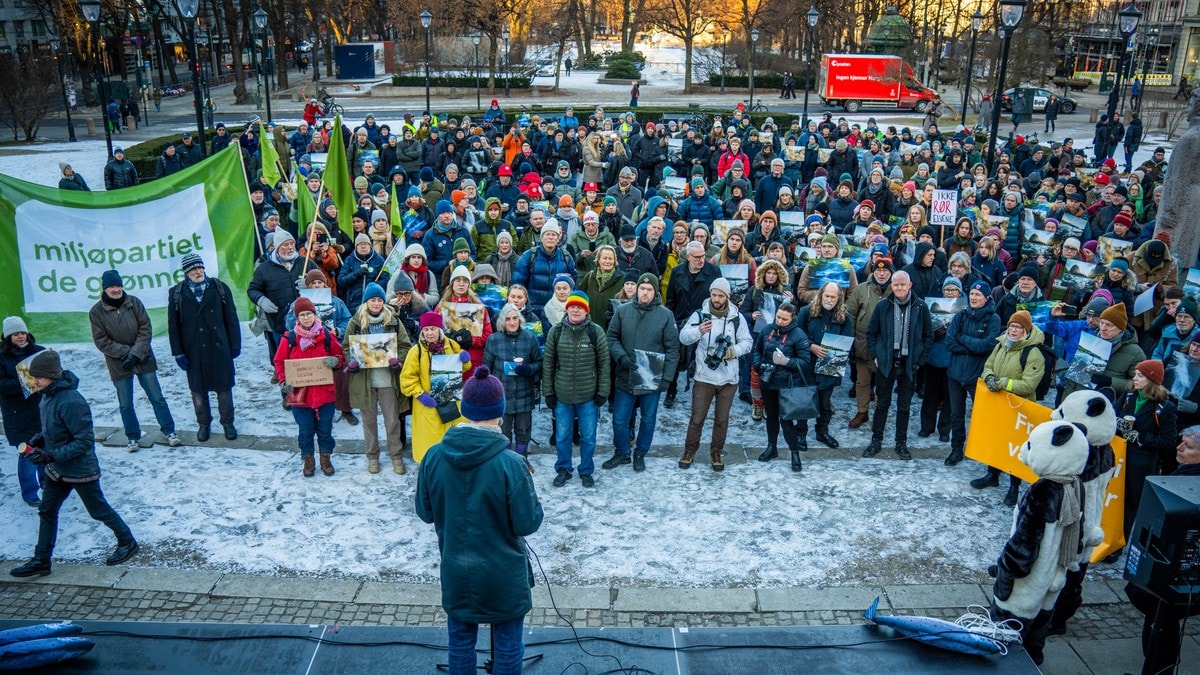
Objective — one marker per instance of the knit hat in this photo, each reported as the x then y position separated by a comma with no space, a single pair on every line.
362,238
361,183
1119,264
313,275
425,175
190,262
983,287
1028,270
609,199
721,284
403,283
563,278
1122,219
431,319
1187,306
951,280
648,278
303,304
1116,316
697,182
444,206
460,272
1022,318
884,263
832,238
461,244
580,299
631,275
552,226
46,364
360,214
1096,307
457,196
282,237
1155,253
14,324
1152,369
111,278
565,202
373,290
482,396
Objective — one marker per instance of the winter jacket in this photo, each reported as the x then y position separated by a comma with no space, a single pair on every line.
794,344
860,305
882,329
315,396
816,327
640,260
686,292
1005,363
356,273
1170,343
480,498
167,165
841,162
122,330
580,242
734,325
1165,274
484,233
841,212
1157,427
67,432
970,338
206,332
504,348
21,416
1126,354
626,201
766,193
536,269
439,246
275,281
650,328
120,174
75,182
360,383
600,294
576,365
705,209
926,281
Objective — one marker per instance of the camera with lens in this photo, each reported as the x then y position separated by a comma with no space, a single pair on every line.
716,352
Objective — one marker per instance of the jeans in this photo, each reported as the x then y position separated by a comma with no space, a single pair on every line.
31,477
958,413
149,382
54,493
565,415
1049,125
317,421
623,405
508,646
899,380
203,407
703,394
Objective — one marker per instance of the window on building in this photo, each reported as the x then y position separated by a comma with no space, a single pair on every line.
39,29
3,30
19,29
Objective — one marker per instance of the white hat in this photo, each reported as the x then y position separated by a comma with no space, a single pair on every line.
460,272
552,226
721,284
14,324
415,249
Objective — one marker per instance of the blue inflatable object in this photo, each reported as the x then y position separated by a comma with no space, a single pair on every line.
44,652
936,633
39,631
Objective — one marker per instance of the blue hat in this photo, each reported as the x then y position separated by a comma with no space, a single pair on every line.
482,396
413,191
426,175
982,286
374,290
697,182
563,277
880,248
1119,264
444,206
814,219
111,278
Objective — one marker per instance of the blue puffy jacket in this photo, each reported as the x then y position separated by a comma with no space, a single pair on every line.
439,246
1067,329
536,269
969,339
705,209
356,273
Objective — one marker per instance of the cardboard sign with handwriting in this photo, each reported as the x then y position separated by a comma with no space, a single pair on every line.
307,372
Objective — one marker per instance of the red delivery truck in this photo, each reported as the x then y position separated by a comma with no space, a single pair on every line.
857,80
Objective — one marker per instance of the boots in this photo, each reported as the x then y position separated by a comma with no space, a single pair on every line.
795,460
769,454
989,479
398,466
956,456
639,461
1014,487
309,466
873,448
757,411
372,465
203,433
859,420
717,464
689,456
902,450
326,466
824,437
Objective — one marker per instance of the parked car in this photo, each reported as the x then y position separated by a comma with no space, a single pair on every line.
1067,105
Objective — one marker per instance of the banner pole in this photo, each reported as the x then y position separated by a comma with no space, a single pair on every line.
316,212
258,241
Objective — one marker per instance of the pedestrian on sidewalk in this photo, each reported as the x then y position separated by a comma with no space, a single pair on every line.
66,447
480,498
569,64
635,93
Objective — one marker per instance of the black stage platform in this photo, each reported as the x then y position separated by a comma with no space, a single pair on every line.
185,648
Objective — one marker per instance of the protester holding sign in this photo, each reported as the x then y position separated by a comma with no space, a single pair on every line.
312,405
822,320
374,383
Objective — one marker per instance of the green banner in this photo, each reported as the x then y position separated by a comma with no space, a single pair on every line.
56,244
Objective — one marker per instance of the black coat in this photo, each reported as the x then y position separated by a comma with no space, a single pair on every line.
68,434
277,283
882,330
1156,426
970,338
207,333
119,175
21,418
816,328
686,292
927,281
794,344
190,156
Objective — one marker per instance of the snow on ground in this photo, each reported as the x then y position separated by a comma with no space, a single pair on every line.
842,521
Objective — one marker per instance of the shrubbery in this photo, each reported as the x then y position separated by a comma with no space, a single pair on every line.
464,81
623,70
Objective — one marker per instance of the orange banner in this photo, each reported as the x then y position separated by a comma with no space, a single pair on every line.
1000,425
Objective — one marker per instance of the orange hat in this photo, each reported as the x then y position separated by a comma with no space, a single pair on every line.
1153,370
456,195
565,202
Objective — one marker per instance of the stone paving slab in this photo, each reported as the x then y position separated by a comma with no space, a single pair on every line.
178,581
251,586
1103,593
572,598
958,596
383,593
1062,658
685,600
844,598
97,576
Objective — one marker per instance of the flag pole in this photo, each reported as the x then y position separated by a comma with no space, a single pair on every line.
316,212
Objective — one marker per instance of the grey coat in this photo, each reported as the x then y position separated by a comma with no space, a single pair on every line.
519,390
650,328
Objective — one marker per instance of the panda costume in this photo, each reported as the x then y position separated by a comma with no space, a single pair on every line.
1046,536
1093,412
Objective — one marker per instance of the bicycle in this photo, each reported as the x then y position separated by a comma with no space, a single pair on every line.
757,107
329,106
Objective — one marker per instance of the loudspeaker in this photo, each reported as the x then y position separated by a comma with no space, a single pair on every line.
1164,544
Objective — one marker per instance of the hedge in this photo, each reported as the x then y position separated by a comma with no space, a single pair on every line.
463,81
763,80
623,70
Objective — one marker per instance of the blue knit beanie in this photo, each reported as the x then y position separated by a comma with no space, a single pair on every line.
444,206
482,396
983,287
373,291
111,278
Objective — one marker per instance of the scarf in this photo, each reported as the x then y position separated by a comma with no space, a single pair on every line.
308,338
433,348
1069,516
555,310
1140,403
375,323
603,277
197,289
419,277
504,265
382,242
900,311
110,302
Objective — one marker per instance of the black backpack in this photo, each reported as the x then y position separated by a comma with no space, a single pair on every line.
1043,386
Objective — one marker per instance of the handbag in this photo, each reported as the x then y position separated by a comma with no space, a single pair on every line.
798,403
448,411
296,398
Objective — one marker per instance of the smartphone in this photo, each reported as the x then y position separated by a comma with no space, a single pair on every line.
1070,310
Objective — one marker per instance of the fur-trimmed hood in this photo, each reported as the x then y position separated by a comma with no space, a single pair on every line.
760,274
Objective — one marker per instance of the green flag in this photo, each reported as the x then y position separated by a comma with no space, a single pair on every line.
397,224
56,244
337,178
270,158
306,208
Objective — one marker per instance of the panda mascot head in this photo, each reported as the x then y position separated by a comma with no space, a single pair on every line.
1091,410
1055,448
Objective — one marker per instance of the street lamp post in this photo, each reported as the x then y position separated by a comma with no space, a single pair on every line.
1128,19
1151,46
1010,16
753,41
476,39
724,48
62,81
505,35
812,16
976,24
91,13
189,9
260,20
426,20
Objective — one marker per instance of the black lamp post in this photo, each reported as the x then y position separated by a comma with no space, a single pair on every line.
426,20
812,16
189,9
1010,15
1128,19
62,81
753,41
91,13
724,48
476,39
260,20
976,24
1147,55
504,36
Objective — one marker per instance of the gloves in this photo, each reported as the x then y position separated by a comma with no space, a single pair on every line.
464,338
551,401
940,332
286,388
129,361
300,286
394,365
730,354
38,441
464,357
992,383
1102,380
525,370
330,362
599,400
779,358
427,400
182,362
39,456
265,304
627,362
354,366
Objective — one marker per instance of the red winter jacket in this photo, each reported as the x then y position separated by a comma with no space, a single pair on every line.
314,396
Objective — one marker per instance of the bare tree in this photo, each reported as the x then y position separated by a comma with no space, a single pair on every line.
29,89
686,20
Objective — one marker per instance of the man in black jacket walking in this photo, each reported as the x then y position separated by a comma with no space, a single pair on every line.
899,337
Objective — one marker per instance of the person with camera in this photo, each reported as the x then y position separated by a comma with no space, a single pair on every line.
721,334
781,356
1146,417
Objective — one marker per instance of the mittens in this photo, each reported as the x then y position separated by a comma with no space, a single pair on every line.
394,365
464,357
330,362
524,370
353,366
286,388
427,400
